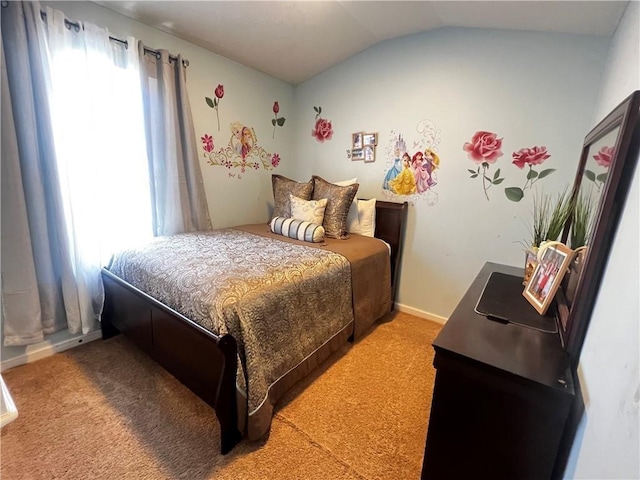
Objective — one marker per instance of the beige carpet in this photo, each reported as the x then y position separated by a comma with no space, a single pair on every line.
107,411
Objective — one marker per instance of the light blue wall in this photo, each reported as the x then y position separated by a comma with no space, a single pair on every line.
530,88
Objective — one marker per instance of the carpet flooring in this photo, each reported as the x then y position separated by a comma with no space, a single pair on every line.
105,410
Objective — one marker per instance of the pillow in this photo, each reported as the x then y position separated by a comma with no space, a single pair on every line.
362,217
352,216
308,210
367,217
339,200
345,183
282,187
292,228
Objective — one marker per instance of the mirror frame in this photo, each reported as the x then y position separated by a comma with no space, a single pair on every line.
573,321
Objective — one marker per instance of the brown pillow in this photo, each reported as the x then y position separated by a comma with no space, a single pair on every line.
282,187
339,200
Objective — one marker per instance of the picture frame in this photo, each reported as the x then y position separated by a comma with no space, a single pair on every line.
546,278
357,154
369,153
370,139
356,141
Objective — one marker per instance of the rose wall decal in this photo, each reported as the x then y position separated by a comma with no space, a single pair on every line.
528,156
323,129
279,121
484,149
215,103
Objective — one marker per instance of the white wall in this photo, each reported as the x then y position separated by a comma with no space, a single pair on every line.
607,444
530,88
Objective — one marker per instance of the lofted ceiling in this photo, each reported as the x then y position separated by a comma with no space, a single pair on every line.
295,40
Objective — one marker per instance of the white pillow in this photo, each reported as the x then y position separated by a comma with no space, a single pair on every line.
308,210
353,222
346,183
292,228
367,217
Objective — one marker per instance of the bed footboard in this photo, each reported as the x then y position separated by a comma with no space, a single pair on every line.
204,362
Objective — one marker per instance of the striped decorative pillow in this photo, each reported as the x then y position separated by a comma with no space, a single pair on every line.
298,229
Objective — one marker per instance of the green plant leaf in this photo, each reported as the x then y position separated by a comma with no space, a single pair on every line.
209,101
531,174
273,122
316,109
474,175
498,181
471,171
590,175
281,121
497,174
546,172
515,194
602,177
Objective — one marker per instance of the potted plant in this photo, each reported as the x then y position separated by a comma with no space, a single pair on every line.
550,213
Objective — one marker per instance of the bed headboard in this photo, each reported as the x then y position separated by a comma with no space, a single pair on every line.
390,225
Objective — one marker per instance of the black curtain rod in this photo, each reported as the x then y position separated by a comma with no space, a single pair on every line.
76,25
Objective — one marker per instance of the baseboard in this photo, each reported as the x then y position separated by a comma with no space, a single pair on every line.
48,348
421,313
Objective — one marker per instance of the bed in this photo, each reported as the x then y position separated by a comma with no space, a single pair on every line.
251,360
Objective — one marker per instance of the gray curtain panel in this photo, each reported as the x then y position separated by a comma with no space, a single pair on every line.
38,289
177,187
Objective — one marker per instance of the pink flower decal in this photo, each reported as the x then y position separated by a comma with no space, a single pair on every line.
323,129
215,102
484,147
275,160
530,156
207,143
279,121
604,156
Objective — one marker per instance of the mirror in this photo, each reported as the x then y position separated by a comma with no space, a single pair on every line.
606,168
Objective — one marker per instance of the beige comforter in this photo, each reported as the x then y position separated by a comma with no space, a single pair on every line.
282,300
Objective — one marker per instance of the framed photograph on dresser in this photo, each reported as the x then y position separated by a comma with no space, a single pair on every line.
546,278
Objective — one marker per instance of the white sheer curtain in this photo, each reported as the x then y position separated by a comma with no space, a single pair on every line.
98,127
75,182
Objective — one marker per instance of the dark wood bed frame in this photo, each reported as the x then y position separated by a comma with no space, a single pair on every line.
201,360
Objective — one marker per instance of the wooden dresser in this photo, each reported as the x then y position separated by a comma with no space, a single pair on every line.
502,396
